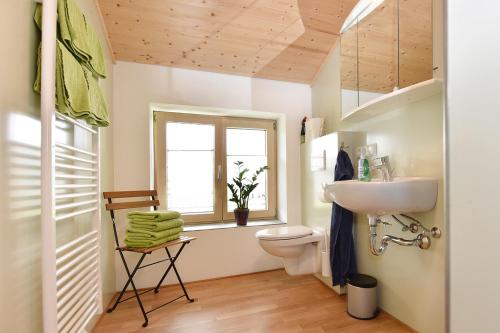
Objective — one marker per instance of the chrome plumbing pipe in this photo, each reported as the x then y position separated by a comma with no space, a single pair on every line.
422,241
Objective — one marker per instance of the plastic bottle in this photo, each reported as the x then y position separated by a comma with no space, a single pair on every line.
364,168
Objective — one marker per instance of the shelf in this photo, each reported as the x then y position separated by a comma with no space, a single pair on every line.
396,99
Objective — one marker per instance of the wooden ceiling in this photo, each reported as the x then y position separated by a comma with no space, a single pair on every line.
274,39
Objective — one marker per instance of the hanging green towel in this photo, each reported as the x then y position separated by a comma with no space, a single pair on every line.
153,216
150,243
138,234
157,226
72,88
80,37
97,115
78,94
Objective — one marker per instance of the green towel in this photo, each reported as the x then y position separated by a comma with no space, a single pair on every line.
79,36
156,226
139,234
78,94
97,115
153,216
150,243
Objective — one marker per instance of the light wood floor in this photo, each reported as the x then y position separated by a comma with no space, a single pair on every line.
262,302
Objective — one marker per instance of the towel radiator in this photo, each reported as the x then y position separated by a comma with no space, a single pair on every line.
72,293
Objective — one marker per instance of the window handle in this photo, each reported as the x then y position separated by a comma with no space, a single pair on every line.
219,172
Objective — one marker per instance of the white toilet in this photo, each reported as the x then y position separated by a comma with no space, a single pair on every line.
299,246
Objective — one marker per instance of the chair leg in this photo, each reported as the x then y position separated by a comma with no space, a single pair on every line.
124,289
172,262
178,276
131,281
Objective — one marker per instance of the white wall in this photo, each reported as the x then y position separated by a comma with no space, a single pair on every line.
351,99
217,252
20,278
473,138
20,238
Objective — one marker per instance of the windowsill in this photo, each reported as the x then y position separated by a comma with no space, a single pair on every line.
216,226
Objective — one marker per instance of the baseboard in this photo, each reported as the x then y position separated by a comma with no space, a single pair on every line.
327,281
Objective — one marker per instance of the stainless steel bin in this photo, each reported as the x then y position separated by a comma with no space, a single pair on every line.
362,296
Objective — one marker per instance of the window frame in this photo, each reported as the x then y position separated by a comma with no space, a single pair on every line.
220,215
270,127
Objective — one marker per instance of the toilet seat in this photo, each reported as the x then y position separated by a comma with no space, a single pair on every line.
284,233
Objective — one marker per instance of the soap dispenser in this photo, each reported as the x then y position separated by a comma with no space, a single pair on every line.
364,167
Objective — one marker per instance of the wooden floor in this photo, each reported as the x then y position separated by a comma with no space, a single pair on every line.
262,302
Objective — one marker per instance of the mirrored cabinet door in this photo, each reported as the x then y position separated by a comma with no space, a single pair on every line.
415,41
349,69
378,52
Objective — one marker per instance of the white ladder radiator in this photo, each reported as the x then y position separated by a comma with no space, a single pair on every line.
70,205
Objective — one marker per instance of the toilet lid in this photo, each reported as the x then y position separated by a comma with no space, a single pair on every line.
284,233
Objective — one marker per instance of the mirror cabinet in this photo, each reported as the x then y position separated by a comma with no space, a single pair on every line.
385,49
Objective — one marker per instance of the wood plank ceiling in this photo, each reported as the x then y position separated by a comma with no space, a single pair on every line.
274,39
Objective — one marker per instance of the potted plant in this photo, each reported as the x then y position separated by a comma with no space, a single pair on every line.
241,189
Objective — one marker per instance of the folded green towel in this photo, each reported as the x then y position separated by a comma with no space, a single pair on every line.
139,234
80,37
150,243
156,226
153,216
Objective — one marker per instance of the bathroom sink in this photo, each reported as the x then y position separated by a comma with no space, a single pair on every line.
402,195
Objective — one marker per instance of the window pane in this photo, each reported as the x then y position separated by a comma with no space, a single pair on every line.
190,168
250,147
186,136
243,141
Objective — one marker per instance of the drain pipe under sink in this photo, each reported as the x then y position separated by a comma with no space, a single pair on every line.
422,241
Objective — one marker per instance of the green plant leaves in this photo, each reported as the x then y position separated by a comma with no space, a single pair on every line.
245,186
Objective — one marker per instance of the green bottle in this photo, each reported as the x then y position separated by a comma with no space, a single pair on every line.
364,168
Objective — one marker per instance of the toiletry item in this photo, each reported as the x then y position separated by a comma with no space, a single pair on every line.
314,128
303,131
364,168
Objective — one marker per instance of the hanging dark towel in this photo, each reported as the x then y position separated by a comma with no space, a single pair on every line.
342,256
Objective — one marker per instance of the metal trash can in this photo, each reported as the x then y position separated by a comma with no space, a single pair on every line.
362,296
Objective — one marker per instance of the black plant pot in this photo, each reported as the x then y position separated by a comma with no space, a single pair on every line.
241,216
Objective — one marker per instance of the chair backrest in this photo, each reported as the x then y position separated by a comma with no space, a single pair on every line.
130,204
112,206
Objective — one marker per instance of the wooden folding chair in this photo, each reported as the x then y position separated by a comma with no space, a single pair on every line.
182,241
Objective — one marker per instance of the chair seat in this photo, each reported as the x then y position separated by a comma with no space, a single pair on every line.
180,240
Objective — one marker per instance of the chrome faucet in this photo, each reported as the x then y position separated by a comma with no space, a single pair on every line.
383,164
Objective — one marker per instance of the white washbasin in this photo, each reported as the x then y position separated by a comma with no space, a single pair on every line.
402,195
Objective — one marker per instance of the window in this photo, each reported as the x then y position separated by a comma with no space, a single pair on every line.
194,160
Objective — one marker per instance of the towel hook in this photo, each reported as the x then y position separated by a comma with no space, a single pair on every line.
343,146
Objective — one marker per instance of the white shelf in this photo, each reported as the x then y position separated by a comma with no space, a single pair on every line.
396,99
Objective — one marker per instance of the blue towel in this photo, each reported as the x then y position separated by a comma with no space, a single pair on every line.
342,256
